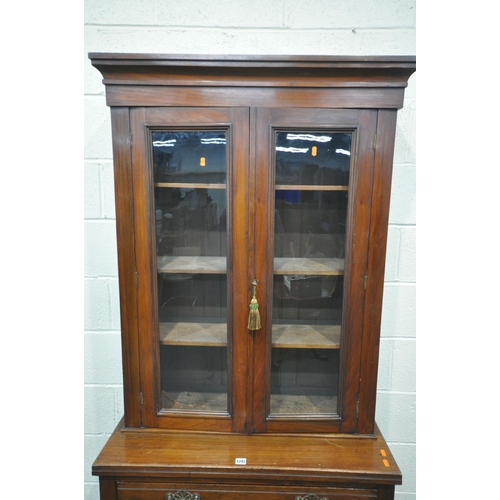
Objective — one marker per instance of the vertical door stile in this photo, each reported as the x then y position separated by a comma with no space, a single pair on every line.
263,242
356,263
381,194
122,159
251,270
240,254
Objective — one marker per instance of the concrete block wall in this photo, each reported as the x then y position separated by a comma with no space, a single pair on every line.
316,27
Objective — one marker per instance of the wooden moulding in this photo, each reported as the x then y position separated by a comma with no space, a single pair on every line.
186,80
262,70
283,336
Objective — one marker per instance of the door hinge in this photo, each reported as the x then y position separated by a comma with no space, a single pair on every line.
141,398
357,408
136,279
375,141
364,281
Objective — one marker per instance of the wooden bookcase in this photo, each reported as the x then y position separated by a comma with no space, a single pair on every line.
240,177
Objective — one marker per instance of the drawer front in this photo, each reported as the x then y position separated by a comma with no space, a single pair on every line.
165,491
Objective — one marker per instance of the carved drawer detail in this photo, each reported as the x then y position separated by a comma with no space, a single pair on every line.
310,497
182,495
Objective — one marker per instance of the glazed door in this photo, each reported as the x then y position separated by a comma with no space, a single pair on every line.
313,188
191,210
225,196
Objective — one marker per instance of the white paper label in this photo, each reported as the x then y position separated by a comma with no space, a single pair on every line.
241,461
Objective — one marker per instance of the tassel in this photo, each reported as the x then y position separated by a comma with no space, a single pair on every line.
254,317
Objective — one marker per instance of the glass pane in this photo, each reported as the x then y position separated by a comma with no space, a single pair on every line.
190,211
190,156
312,158
312,178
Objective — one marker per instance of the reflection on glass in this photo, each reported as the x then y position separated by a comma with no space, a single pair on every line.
312,178
190,221
312,158
189,156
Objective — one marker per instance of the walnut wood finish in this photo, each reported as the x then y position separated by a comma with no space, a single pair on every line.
382,174
126,256
258,95
363,124
150,464
142,120
265,81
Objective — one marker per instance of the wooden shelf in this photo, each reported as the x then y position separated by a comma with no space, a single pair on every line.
282,404
190,185
278,187
283,336
194,334
282,265
192,265
309,187
309,266
194,401
306,336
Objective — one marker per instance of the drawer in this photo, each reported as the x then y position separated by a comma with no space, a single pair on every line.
178,491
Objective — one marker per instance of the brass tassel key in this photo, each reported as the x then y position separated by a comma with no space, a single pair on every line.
254,317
